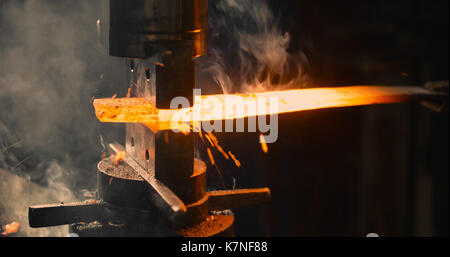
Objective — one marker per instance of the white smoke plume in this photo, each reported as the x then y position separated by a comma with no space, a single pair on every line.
248,52
50,70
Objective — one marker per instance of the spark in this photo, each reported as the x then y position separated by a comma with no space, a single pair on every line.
22,161
215,143
263,143
209,139
225,155
236,161
211,158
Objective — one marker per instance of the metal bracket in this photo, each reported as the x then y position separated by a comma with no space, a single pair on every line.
139,140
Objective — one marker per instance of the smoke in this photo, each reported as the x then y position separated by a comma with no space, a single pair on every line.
50,70
247,51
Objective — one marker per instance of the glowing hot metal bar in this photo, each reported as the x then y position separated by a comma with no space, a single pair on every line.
217,107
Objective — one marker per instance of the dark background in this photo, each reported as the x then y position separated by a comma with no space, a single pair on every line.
353,171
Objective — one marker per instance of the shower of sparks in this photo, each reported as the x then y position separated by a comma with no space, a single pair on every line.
215,143
209,139
263,143
138,110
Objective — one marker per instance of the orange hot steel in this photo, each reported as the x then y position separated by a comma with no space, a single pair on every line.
217,107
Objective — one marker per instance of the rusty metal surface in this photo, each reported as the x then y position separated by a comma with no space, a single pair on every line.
232,199
162,197
166,156
139,140
116,187
48,215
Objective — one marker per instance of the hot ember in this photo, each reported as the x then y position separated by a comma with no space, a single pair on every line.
263,143
11,228
119,157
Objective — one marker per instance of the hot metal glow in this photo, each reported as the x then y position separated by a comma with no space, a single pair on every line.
263,143
11,228
217,107
119,157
